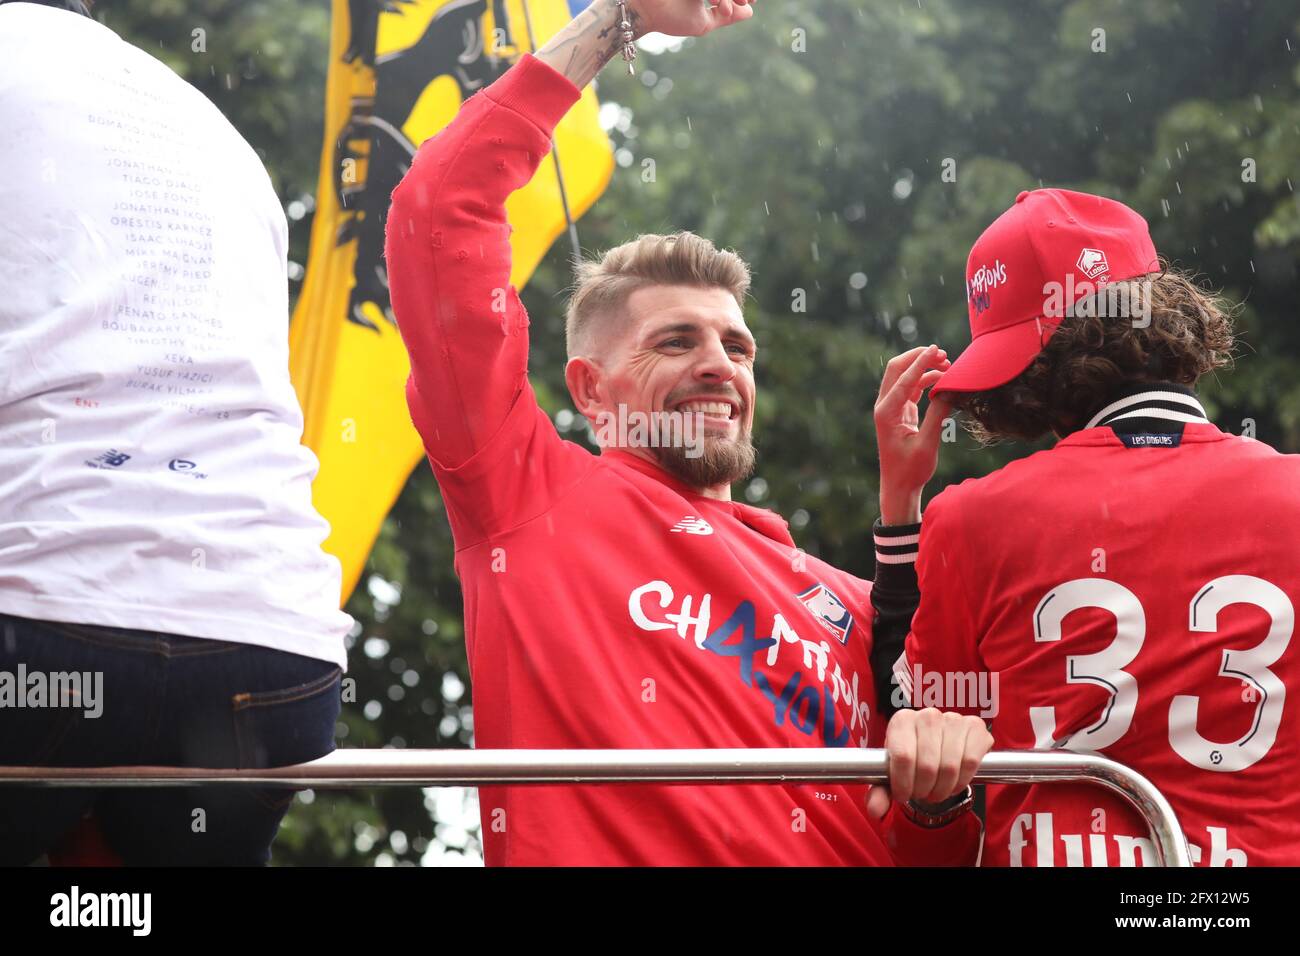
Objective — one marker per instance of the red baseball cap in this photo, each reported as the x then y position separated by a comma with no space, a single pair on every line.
1051,249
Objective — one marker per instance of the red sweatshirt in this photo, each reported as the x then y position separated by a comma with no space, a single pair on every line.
607,605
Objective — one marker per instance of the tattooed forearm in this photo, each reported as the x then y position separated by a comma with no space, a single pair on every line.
591,40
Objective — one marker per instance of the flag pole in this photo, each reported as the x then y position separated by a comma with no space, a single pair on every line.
555,154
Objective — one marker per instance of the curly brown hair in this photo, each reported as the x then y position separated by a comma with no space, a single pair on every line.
1093,352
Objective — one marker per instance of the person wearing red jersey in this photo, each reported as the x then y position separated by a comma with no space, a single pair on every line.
623,600
1130,591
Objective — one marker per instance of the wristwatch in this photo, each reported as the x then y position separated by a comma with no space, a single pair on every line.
935,815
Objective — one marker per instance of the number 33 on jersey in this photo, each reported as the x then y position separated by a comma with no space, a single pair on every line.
1139,603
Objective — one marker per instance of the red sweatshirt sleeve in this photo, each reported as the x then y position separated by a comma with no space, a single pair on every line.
946,626
958,843
448,252
943,616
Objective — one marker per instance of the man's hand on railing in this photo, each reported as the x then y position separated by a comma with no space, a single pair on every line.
932,756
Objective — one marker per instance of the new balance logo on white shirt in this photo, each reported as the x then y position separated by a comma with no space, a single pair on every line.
692,525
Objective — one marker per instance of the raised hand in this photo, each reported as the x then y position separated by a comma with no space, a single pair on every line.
593,37
688,18
909,450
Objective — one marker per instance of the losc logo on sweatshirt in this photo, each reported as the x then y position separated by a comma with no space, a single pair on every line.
829,611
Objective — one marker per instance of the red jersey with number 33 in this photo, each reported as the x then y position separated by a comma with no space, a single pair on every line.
1135,596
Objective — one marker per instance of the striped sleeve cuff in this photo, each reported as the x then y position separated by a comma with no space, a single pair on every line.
903,677
896,544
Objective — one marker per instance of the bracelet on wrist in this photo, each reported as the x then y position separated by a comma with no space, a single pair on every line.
935,815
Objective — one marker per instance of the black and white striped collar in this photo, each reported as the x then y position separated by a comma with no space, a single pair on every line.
1150,402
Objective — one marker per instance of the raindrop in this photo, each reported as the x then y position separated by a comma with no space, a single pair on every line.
452,687
385,592
609,115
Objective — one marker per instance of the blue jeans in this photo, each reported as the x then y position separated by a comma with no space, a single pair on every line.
166,700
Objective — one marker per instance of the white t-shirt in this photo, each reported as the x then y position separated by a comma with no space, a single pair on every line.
151,468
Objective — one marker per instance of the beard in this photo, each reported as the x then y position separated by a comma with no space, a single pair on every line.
723,461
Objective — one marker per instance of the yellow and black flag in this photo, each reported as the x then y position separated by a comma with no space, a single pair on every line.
399,70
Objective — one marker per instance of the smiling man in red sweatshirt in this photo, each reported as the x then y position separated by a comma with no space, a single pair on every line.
623,600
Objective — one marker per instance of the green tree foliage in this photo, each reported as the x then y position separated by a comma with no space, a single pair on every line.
820,141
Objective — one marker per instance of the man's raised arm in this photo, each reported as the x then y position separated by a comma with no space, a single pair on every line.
448,241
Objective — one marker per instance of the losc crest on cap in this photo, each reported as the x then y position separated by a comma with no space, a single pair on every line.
1051,249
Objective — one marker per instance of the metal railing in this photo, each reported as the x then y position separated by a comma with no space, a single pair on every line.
442,768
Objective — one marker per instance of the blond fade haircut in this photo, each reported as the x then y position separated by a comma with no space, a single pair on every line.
601,287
